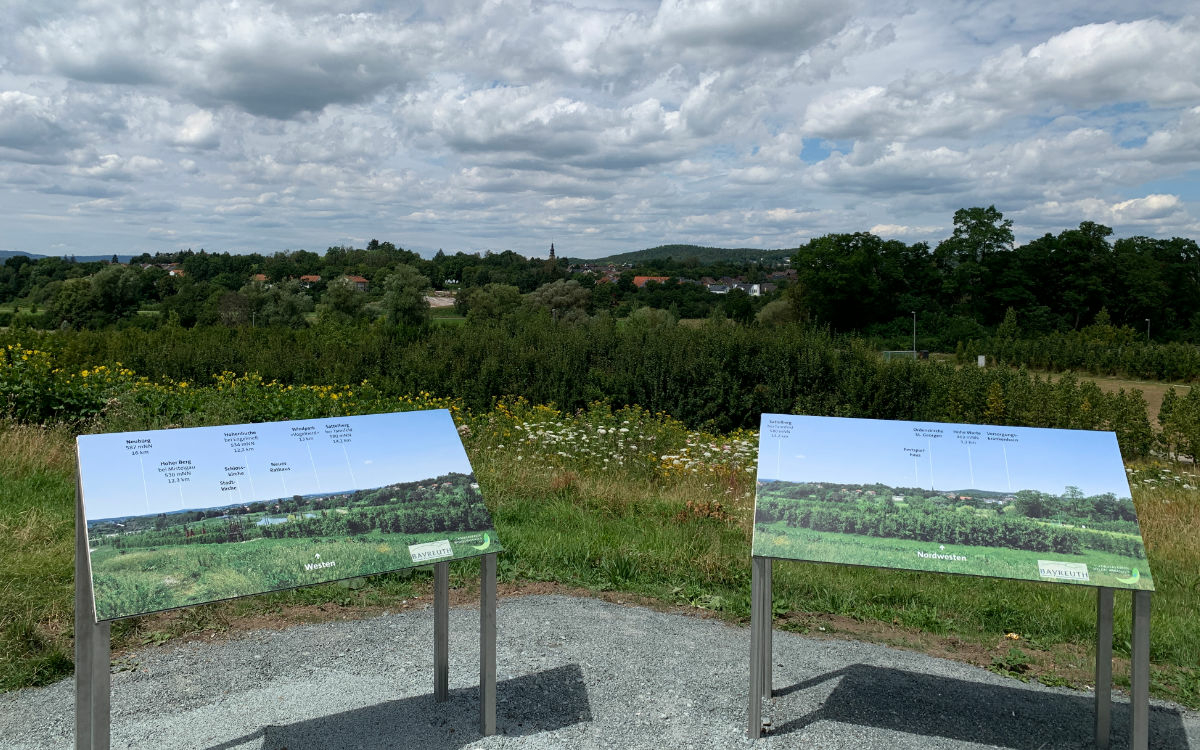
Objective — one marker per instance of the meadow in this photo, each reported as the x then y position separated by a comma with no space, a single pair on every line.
596,497
783,541
143,580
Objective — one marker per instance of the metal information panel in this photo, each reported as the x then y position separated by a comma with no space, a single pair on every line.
1003,502
183,517
175,518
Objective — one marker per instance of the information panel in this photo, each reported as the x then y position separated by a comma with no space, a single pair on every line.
1005,502
182,517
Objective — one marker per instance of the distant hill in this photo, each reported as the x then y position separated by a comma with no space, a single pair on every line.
6,254
703,255
982,493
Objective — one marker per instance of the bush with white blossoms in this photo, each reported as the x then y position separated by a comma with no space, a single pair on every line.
1156,475
630,441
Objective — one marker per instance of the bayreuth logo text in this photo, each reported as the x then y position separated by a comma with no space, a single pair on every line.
1063,571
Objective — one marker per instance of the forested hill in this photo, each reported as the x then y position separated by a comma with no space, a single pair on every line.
703,255
6,254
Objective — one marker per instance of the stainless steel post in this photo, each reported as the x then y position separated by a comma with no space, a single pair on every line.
1104,638
768,625
487,645
757,594
92,687
441,631
1139,677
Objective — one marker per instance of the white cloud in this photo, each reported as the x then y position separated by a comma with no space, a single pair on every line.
198,131
32,128
610,124
117,167
1150,211
1088,66
902,230
1177,143
755,25
756,175
1146,60
252,56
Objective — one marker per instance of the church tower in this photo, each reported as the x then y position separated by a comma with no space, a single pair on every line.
551,251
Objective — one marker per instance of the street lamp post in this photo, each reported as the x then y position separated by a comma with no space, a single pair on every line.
914,333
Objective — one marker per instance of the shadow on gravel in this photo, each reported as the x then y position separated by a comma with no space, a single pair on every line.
928,705
529,704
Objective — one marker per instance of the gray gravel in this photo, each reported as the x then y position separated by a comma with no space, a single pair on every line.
573,673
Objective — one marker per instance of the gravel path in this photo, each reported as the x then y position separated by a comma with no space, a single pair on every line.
573,673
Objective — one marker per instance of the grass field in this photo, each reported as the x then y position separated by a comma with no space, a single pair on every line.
782,541
137,581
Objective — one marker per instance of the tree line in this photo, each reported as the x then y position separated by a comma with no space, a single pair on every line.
299,288
1072,506
966,287
942,527
446,503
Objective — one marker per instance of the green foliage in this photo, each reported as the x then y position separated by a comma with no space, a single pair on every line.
1179,418
566,300
488,302
718,375
404,302
1013,664
342,305
278,305
1100,350
776,313
840,509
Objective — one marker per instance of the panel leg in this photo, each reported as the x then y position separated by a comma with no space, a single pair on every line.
1139,678
768,626
487,645
101,685
92,649
757,595
441,631
1104,638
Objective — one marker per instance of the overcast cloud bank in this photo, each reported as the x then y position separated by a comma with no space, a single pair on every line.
602,126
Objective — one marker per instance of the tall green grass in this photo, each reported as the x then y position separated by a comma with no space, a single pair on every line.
37,522
157,578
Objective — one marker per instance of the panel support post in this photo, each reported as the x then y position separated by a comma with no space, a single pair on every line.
1104,639
768,625
441,631
1139,677
487,645
92,646
760,594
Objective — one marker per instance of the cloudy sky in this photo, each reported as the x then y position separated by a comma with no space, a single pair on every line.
601,125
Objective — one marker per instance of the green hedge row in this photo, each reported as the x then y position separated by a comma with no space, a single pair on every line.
716,376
